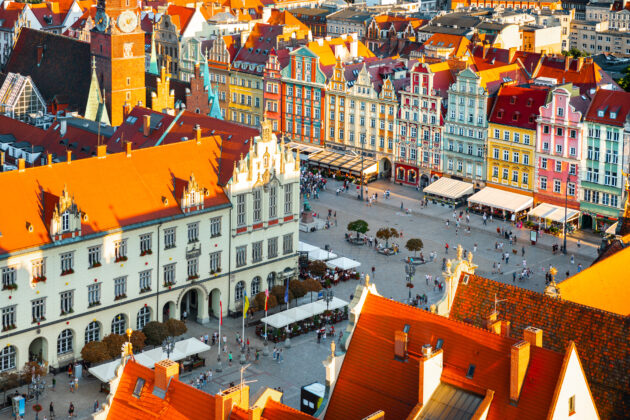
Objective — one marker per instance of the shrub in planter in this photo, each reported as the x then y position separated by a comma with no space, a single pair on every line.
298,288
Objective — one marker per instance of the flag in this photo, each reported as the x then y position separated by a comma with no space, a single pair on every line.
266,298
286,293
220,313
245,304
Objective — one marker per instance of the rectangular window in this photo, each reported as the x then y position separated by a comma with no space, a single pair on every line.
67,302
240,210
215,227
257,195
495,153
543,182
517,137
38,309
572,405
556,186
169,238
193,232
515,157
241,255
272,247
120,250
506,173
288,199
192,267
145,244
287,244
169,274
94,256
506,135
94,294
573,169
145,281
558,148
67,263
8,318
257,251
506,155
525,178
525,159
120,287
9,276
38,269
543,163
525,138
558,166
571,187
215,262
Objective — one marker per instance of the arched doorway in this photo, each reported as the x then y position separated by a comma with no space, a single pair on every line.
214,307
424,180
587,221
189,305
385,168
38,350
168,311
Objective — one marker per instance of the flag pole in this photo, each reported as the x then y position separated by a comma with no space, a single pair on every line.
220,323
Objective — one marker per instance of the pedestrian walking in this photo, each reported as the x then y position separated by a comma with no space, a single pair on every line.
499,268
401,205
51,409
71,410
279,359
522,251
513,276
71,385
446,248
572,259
475,247
230,358
76,384
507,258
579,267
96,406
579,244
54,382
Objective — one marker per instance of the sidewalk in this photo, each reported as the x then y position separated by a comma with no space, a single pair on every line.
410,199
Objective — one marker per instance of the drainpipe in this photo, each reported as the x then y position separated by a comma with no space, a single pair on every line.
230,261
157,277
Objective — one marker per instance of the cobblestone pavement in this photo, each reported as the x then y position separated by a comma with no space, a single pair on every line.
302,362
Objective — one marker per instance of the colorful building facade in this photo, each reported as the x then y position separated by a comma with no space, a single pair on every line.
272,92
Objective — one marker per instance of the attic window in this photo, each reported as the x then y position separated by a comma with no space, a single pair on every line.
471,371
531,118
600,113
65,221
500,114
613,115
250,49
439,343
265,52
530,101
513,100
137,390
131,120
515,116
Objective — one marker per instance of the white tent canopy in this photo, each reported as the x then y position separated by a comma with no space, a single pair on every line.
449,188
184,348
304,247
290,316
553,213
502,200
320,254
343,263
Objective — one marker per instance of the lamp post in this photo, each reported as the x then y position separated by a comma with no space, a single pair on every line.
168,346
328,296
564,225
410,270
361,174
36,385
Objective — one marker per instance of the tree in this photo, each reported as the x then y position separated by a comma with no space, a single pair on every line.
278,292
137,340
259,301
312,285
574,52
113,343
386,234
358,226
175,327
298,288
31,368
155,332
317,268
414,245
624,82
95,352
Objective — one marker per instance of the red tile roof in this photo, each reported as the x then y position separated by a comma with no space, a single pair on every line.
518,106
180,16
609,101
371,379
582,72
181,402
602,338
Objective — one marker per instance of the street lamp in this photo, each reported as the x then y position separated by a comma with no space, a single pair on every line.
410,270
37,384
168,346
564,225
328,296
362,141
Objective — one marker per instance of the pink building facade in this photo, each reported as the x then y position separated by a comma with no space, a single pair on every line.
558,149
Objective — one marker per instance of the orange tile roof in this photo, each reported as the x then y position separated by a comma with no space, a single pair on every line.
115,192
601,285
602,338
286,18
371,379
181,402
277,411
180,16
326,52
457,42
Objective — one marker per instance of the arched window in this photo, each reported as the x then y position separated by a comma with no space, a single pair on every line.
271,280
7,358
92,332
64,342
144,316
119,324
238,291
255,286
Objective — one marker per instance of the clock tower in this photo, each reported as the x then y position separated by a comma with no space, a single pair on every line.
117,44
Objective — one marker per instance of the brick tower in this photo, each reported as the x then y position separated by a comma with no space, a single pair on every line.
117,43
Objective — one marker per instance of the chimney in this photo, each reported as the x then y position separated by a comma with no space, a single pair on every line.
21,165
198,133
68,156
126,109
430,371
40,54
48,159
567,63
101,150
146,125
400,345
511,53
519,360
255,413
63,126
533,336
164,371
580,63
128,148
490,319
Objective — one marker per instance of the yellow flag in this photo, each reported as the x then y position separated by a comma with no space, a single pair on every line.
245,305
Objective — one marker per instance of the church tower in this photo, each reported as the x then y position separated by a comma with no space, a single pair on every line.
117,43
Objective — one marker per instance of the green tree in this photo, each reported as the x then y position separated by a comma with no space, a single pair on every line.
574,52
386,234
414,245
95,352
358,226
155,332
259,301
175,327
624,82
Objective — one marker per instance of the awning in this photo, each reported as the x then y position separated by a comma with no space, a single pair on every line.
502,200
343,263
344,162
305,149
300,313
612,229
304,247
320,254
554,213
449,188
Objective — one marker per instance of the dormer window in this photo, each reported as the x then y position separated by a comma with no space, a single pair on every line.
529,101
500,114
613,115
513,100
65,222
600,113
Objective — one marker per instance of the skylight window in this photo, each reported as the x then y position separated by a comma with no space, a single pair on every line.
439,344
137,390
471,371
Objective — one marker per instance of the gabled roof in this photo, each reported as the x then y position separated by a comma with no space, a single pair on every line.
65,66
10,13
115,191
492,78
326,51
256,49
610,102
285,18
371,379
600,285
518,106
458,43
180,16
602,338
582,72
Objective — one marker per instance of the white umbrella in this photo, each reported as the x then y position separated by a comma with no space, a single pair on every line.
304,247
343,263
320,254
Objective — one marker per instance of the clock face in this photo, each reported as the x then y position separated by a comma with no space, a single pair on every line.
127,21
101,20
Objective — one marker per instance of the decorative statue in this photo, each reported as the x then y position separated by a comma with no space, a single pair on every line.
307,206
470,257
460,251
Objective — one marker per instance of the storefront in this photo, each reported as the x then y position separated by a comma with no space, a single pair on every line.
552,218
406,174
448,191
501,204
